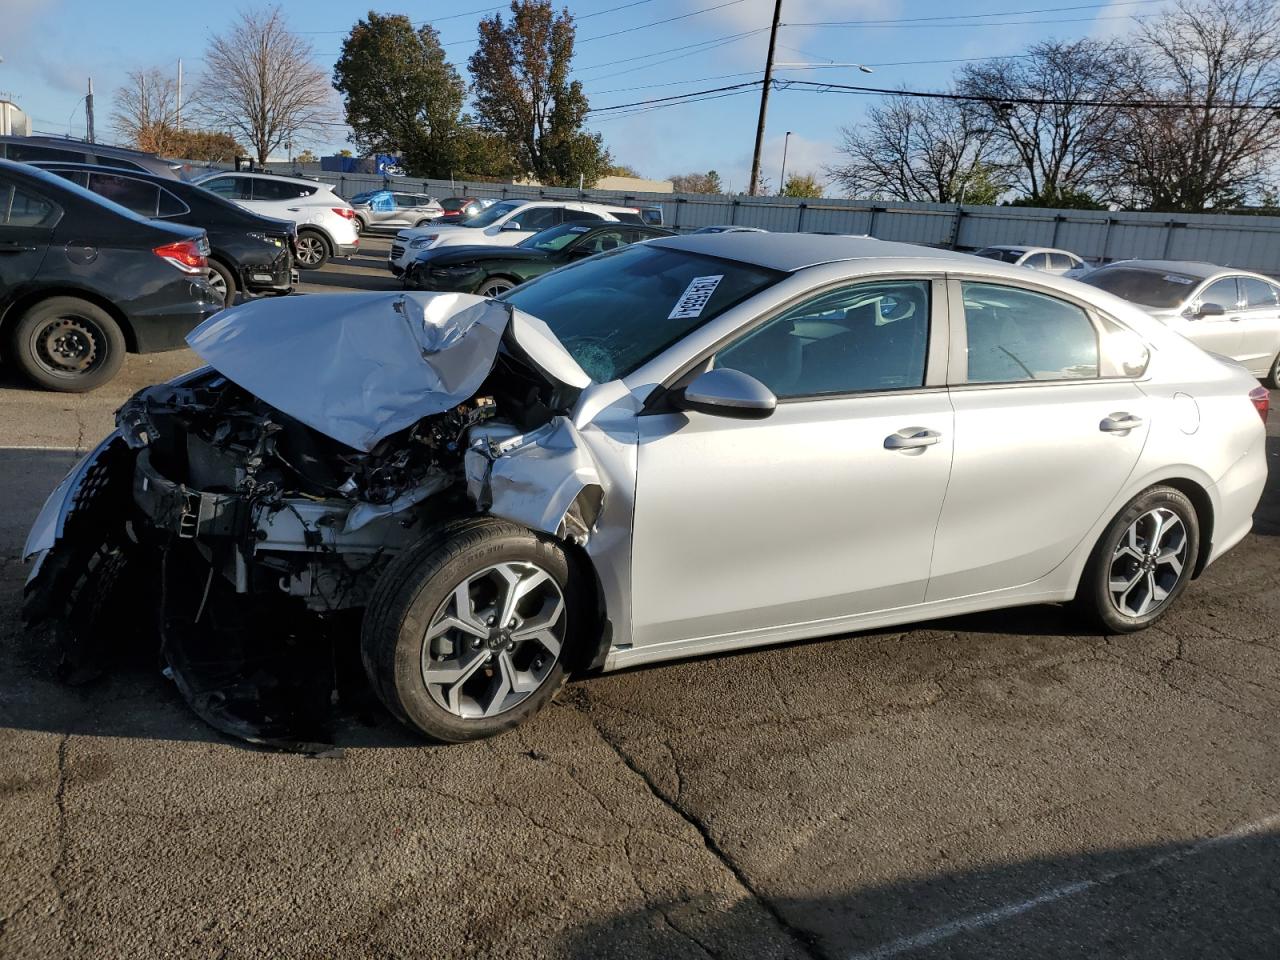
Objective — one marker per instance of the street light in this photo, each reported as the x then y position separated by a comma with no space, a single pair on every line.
782,177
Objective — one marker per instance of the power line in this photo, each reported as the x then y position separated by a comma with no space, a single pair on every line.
658,53
680,56
987,23
658,23
895,21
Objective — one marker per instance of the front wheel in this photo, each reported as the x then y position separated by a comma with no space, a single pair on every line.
313,250
68,344
1142,562
1273,378
495,286
467,633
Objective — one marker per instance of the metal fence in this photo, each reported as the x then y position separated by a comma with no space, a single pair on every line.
1235,240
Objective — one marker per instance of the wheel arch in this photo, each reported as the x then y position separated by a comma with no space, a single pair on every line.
321,232
511,279
20,304
1203,504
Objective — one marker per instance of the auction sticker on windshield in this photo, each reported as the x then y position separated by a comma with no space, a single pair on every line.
695,297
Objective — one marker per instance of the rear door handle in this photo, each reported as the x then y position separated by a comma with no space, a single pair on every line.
14,246
909,438
1120,423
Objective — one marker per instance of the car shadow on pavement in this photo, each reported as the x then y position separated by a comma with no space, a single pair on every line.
1185,900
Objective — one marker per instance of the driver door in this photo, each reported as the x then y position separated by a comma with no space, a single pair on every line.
823,510
1216,334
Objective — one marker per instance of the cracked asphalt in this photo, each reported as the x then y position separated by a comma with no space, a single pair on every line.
996,786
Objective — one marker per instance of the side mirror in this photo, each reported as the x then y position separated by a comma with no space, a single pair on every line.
579,253
512,225
727,393
1209,310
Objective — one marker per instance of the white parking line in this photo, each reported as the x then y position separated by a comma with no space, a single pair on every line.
36,446
977,921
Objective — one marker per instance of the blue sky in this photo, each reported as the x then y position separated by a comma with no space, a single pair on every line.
51,48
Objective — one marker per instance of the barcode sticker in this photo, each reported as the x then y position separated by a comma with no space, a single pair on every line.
695,297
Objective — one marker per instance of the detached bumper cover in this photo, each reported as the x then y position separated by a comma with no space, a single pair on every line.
78,491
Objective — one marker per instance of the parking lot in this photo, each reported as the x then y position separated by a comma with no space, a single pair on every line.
999,786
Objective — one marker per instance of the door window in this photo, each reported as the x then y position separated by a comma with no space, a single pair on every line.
872,336
1257,294
171,206
1037,261
136,195
1222,292
602,241
539,218
279,190
29,152
233,188
1060,261
18,208
1015,335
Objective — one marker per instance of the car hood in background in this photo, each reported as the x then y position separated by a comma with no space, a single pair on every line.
359,367
445,256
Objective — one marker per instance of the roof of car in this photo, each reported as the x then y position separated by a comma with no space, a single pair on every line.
308,181
1191,268
72,143
794,251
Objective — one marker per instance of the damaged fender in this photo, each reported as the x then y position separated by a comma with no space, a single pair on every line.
546,479
76,491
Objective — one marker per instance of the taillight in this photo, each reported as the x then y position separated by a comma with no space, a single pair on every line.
1261,401
186,255
344,212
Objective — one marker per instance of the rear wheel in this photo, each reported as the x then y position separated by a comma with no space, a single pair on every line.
313,250
1142,562
494,286
361,226
222,281
467,634
1273,378
68,344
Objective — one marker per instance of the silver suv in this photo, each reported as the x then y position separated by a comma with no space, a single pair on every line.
387,210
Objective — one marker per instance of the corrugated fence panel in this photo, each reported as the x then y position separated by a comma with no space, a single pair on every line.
1233,240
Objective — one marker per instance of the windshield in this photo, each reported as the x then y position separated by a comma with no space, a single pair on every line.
1151,288
486,218
1004,256
453,204
620,309
554,238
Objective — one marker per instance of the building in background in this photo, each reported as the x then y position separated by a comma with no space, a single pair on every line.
13,122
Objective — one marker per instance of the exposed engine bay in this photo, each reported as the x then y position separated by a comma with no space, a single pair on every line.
251,531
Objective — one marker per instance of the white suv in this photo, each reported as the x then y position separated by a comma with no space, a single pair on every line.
326,222
502,225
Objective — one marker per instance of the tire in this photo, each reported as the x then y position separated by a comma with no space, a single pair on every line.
223,281
361,226
1122,557
423,223
67,344
420,589
1273,378
492,286
313,250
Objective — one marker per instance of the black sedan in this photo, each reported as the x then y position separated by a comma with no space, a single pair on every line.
83,280
490,270
249,253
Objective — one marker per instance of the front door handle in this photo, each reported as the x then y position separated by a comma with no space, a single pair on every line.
910,438
1120,423
14,246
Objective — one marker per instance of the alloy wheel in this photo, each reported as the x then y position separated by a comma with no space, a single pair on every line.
310,251
1148,562
494,640
68,346
218,283
495,287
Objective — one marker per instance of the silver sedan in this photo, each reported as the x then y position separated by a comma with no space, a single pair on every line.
692,445
1230,312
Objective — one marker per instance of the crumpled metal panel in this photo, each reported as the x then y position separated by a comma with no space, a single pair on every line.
358,367
545,479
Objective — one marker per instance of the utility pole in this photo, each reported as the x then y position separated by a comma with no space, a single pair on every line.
88,113
764,99
178,118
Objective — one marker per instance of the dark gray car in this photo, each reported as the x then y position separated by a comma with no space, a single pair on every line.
66,150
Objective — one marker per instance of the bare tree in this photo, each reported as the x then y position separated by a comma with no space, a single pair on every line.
145,112
914,149
262,84
1219,55
1056,146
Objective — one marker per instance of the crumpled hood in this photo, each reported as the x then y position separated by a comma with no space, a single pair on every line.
359,367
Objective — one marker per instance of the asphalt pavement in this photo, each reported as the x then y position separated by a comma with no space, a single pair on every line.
1004,785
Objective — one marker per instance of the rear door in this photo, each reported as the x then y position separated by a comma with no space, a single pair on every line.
1259,324
27,220
1046,434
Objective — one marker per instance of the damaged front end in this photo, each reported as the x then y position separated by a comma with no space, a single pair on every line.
241,515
